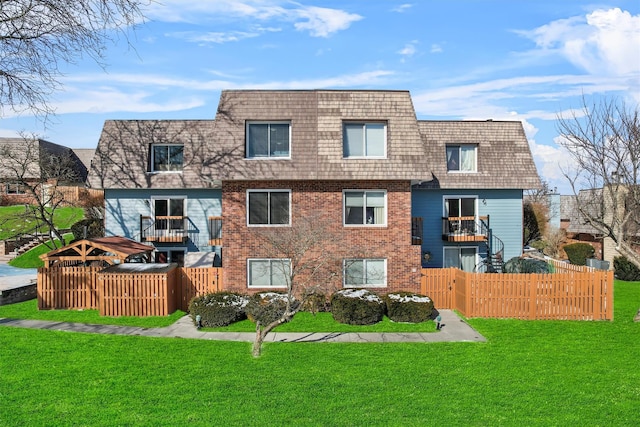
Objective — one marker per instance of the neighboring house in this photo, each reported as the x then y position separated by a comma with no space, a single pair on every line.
413,193
28,161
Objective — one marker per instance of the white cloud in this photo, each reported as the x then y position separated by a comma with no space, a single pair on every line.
212,37
318,21
436,48
402,8
604,42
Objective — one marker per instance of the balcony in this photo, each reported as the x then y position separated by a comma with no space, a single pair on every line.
464,229
164,229
215,231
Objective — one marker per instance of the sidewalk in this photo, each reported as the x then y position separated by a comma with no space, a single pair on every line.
454,330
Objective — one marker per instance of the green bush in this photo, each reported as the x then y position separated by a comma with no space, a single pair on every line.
267,307
526,265
579,252
357,307
218,309
625,270
408,307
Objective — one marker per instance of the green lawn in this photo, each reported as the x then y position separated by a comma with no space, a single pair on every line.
13,222
534,373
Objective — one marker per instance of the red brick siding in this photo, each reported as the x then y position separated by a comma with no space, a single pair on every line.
309,198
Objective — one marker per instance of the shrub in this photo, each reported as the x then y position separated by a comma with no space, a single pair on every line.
218,309
408,307
357,307
526,265
267,307
579,252
625,270
315,302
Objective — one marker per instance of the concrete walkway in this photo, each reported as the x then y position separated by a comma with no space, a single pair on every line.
454,330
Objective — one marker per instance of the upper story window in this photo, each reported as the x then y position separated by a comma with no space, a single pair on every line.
364,140
461,158
166,157
268,140
365,207
268,207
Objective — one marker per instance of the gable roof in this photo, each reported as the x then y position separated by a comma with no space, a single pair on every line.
108,249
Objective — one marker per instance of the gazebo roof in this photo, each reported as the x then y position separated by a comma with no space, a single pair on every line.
109,249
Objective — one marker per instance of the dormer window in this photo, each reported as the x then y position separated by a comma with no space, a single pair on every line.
268,140
167,157
462,158
368,140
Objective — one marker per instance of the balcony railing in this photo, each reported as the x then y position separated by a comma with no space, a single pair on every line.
464,229
215,230
164,229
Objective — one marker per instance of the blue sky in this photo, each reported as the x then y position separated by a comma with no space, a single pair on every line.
462,59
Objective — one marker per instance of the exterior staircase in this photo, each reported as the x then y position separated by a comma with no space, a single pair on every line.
30,242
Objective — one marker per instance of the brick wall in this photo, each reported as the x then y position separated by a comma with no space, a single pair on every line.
324,198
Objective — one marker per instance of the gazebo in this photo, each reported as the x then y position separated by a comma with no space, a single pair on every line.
110,250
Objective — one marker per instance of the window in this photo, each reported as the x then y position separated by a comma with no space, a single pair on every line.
268,207
460,257
166,255
365,208
166,157
364,140
461,214
15,189
365,273
268,140
169,213
268,273
461,158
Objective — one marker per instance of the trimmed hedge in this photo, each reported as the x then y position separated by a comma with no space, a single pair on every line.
625,270
579,252
408,307
526,265
218,309
357,307
267,307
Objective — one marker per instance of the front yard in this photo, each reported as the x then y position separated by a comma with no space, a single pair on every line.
529,372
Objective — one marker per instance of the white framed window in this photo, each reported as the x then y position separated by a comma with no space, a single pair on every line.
268,272
365,207
461,213
15,189
370,273
167,157
268,207
463,257
462,158
364,140
268,140
169,212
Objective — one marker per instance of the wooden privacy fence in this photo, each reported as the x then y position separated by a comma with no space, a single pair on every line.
124,294
568,294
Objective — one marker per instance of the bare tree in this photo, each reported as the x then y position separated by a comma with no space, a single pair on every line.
39,168
37,36
603,139
314,262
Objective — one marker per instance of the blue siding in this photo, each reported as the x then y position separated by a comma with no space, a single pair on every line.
124,207
504,208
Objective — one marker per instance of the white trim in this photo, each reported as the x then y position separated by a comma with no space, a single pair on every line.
267,190
364,224
459,248
248,270
152,158
364,123
265,122
344,273
152,207
459,145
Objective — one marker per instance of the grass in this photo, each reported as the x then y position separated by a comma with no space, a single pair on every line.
536,373
31,258
13,223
